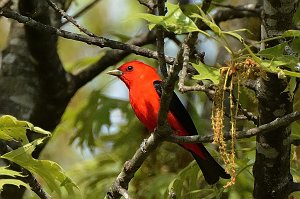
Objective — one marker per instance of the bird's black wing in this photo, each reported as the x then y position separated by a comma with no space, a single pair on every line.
178,110
210,168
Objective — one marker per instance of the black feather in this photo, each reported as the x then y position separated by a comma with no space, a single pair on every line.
210,168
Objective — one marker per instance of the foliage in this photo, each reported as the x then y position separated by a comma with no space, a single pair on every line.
174,21
14,130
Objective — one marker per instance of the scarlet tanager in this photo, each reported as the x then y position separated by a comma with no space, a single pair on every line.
145,90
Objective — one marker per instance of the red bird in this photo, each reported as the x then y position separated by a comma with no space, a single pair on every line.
145,90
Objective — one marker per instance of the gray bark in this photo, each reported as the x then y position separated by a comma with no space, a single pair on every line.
272,165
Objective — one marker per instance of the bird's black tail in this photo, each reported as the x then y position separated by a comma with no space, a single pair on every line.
211,170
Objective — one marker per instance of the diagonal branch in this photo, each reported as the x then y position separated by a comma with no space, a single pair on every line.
97,41
131,166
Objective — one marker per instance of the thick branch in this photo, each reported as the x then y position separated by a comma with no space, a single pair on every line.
132,165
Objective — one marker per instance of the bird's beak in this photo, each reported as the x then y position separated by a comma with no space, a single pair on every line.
115,72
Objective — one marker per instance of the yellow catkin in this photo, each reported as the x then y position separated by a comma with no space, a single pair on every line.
234,74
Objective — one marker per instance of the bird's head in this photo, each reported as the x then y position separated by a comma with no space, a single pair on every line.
134,73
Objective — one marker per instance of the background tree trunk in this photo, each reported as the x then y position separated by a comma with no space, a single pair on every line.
33,83
272,164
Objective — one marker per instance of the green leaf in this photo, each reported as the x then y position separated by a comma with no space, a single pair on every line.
15,182
50,171
291,87
174,21
275,58
291,33
296,45
272,52
209,22
13,129
235,35
7,172
207,72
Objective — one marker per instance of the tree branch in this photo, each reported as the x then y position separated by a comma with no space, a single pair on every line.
293,186
92,71
183,73
285,120
97,41
132,165
69,18
160,43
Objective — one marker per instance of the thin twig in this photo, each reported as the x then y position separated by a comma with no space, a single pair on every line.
82,11
69,18
250,116
197,87
183,73
160,43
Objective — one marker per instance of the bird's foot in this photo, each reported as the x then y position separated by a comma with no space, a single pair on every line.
143,146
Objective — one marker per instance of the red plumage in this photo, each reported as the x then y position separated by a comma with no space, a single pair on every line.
145,101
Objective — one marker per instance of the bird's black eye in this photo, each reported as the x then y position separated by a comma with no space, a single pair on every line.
129,68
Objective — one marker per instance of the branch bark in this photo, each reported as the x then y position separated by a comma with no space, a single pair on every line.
265,128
